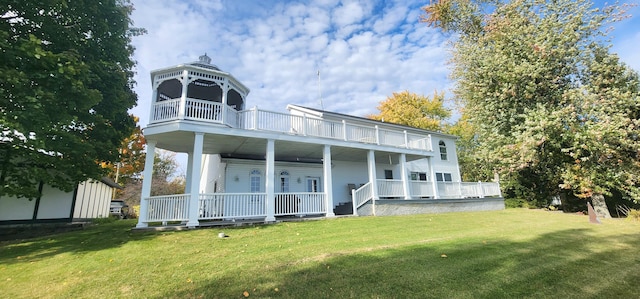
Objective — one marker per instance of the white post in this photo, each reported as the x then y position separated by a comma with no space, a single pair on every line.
225,90
406,139
353,202
194,191
269,181
188,180
146,184
183,96
481,190
371,164
344,130
405,176
255,117
434,180
154,101
377,135
328,182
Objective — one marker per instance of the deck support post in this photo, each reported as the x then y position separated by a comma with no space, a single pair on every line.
328,182
146,184
371,165
405,176
194,190
269,181
434,180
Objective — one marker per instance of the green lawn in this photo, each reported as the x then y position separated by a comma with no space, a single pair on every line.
514,253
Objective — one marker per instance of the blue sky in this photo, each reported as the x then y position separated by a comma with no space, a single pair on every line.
364,49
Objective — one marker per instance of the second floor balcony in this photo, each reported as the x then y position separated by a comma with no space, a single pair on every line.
216,113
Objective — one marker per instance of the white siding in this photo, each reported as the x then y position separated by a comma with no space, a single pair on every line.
238,173
212,174
54,203
12,208
92,200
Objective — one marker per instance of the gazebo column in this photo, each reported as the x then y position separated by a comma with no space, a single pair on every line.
434,181
194,190
269,181
146,184
183,96
225,90
328,181
371,165
406,186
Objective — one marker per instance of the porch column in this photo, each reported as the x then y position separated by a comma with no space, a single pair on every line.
269,181
194,190
146,184
371,164
183,96
405,176
434,181
188,180
328,182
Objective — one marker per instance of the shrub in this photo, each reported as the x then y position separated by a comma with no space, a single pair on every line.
633,215
511,203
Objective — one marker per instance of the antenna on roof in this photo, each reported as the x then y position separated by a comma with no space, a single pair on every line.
320,92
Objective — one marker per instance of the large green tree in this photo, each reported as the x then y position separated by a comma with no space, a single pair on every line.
65,88
552,108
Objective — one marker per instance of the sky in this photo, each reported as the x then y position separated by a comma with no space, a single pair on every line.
363,50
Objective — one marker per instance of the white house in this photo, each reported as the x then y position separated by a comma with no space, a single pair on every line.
259,164
90,199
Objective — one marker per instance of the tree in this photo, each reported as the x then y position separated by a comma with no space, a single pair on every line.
553,109
407,108
65,88
164,181
131,158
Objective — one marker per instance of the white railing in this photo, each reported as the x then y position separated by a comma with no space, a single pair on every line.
421,189
468,190
165,110
361,134
168,208
203,110
300,203
263,120
390,188
361,195
232,205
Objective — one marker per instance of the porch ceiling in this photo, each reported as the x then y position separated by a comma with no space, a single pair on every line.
178,141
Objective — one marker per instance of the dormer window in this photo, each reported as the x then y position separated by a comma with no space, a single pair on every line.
443,150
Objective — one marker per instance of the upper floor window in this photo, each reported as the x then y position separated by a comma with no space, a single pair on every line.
443,150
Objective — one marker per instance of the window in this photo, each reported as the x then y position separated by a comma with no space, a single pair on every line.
255,180
443,150
388,174
284,181
418,176
443,177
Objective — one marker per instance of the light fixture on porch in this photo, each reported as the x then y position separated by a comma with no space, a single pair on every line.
236,178
299,180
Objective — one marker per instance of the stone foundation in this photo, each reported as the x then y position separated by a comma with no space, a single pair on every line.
386,207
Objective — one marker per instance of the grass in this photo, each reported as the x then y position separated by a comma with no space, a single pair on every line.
515,253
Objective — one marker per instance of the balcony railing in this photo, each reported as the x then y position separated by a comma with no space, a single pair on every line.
263,120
